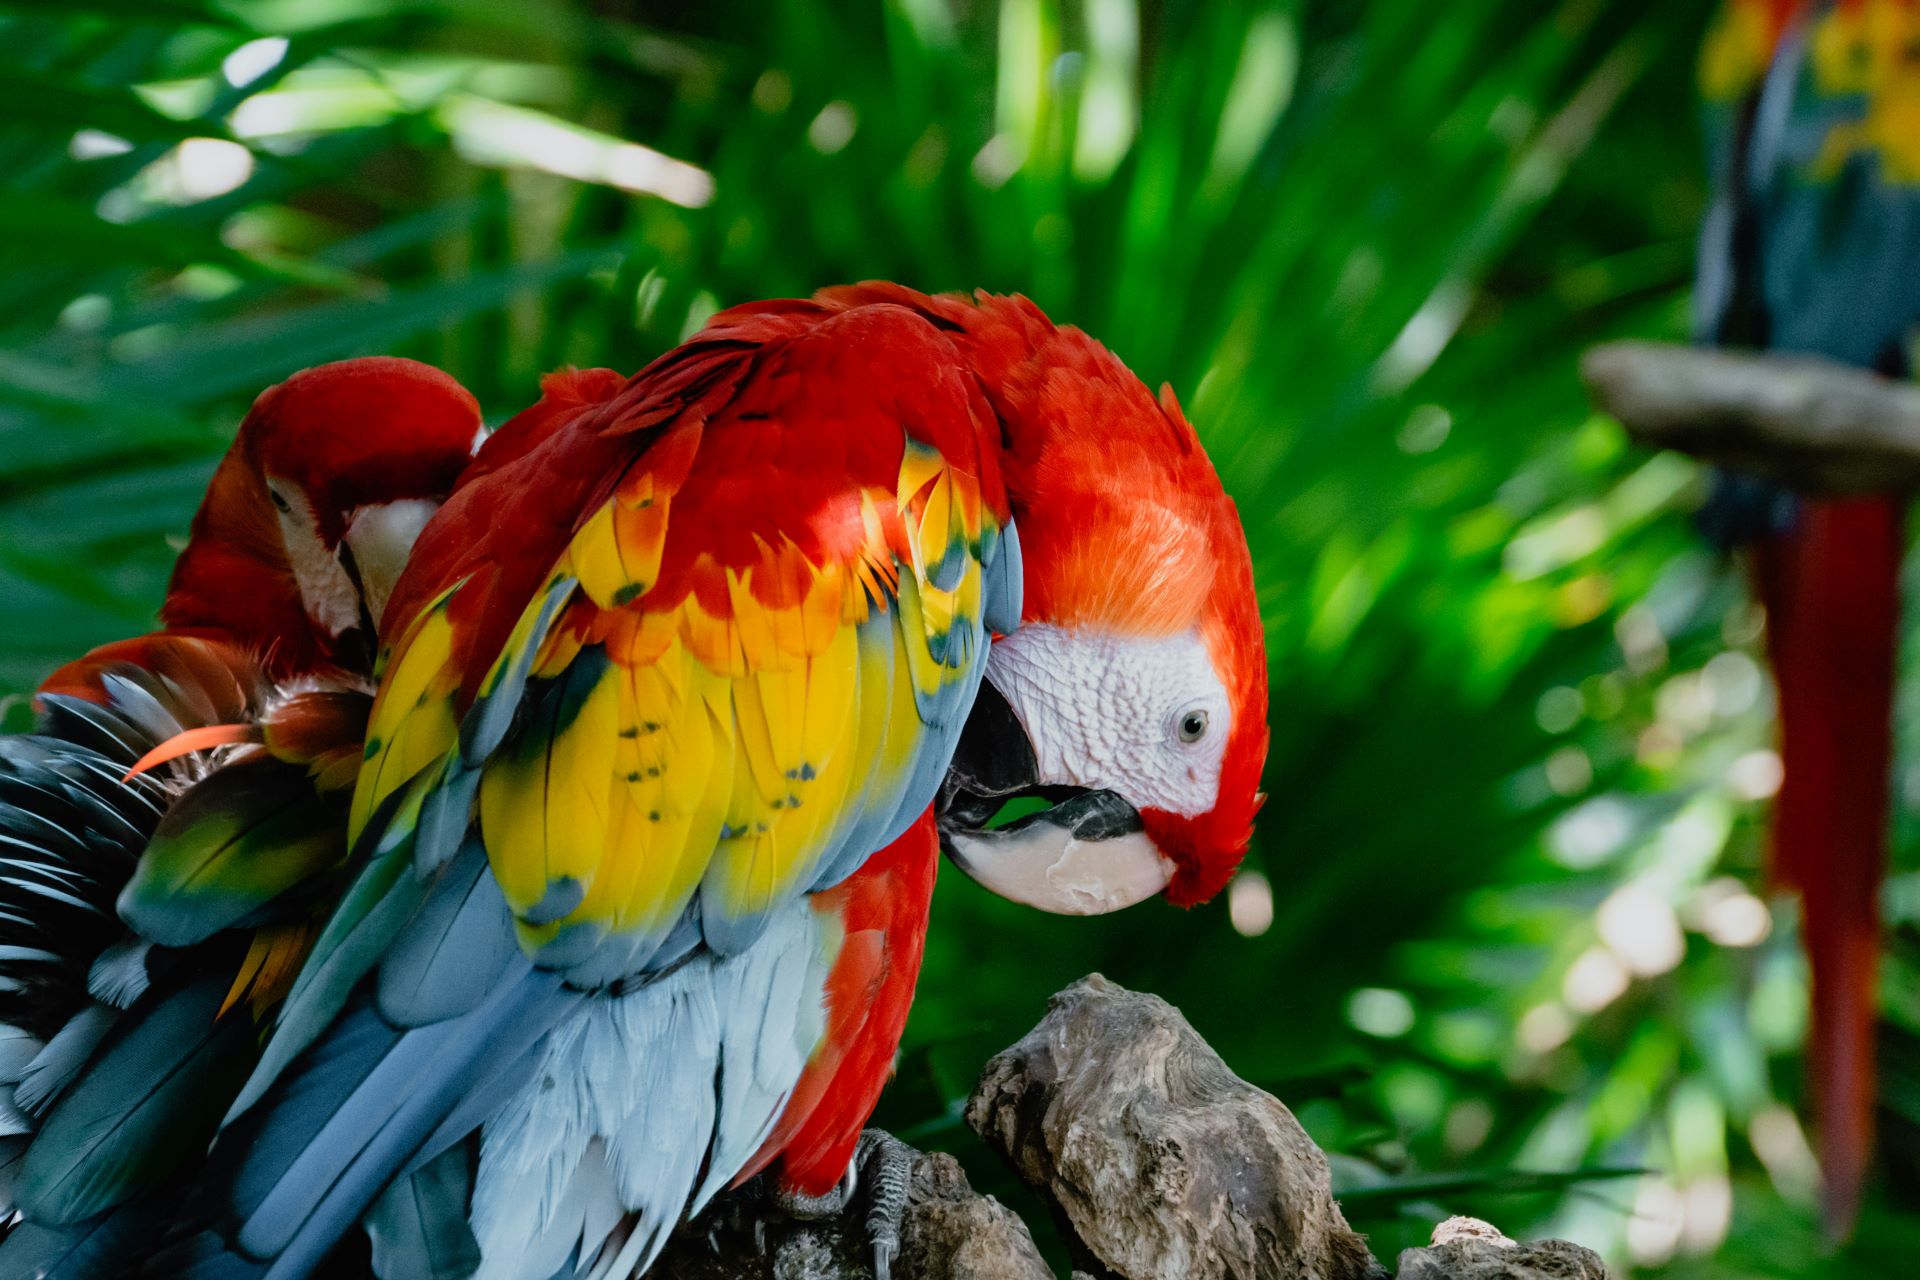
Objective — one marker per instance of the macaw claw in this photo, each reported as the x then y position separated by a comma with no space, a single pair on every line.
888,1164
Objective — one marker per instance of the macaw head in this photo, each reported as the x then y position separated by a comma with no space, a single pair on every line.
1116,747
334,473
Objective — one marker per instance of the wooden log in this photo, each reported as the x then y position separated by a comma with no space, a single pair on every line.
1469,1249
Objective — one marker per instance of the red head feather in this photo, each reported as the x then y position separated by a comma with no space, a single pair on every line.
348,435
1125,526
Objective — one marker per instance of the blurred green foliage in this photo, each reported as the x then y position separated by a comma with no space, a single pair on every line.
1502,947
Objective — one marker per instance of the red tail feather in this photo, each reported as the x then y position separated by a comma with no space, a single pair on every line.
1831,588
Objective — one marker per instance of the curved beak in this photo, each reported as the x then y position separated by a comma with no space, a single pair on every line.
376,546
1069,861
1083,853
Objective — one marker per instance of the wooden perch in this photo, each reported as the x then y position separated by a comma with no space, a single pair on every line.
1159,1162
1813,425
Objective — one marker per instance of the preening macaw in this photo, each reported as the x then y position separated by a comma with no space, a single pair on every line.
1813,246
308,521
643,836
266,649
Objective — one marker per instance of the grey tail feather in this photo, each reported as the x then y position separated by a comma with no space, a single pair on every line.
55,1067
100,1248
419,1228
67,844
119,975
72,828
353,1113
506,1077
200,1255
456,948
146,1104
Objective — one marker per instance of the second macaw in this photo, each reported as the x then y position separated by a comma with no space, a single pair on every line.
265,652
307,523
1813,246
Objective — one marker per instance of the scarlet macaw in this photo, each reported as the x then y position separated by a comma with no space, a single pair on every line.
266,641
308,520
1813,246
678,666
862,440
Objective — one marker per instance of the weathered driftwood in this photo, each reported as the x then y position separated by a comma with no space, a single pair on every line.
1159,1162
1166,1165
1808,423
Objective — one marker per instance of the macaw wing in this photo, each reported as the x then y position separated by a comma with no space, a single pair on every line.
754,739
679,734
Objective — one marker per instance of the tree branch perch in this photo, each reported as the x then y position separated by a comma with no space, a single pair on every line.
1159,1163
1811,424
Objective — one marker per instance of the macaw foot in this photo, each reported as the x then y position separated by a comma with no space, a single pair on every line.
887,1163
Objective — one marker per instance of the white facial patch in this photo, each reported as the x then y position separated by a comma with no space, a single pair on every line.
381,538
325,588
1147,719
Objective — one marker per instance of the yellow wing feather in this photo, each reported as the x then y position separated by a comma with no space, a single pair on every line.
719,746
412,723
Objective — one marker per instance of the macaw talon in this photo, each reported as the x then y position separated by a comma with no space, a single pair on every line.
888,1164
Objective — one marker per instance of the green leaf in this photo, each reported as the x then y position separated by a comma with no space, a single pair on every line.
1489,1182
34,225
61,104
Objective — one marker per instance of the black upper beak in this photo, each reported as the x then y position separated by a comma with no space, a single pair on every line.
355,647
993,761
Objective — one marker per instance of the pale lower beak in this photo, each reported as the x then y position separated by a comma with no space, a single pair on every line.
380,540
1048,865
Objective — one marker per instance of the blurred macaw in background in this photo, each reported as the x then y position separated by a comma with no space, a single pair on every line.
645,835
1812,245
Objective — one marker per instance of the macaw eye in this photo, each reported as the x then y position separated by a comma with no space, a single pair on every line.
279,502
1193,725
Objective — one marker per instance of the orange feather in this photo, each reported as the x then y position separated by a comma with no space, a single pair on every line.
188,741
